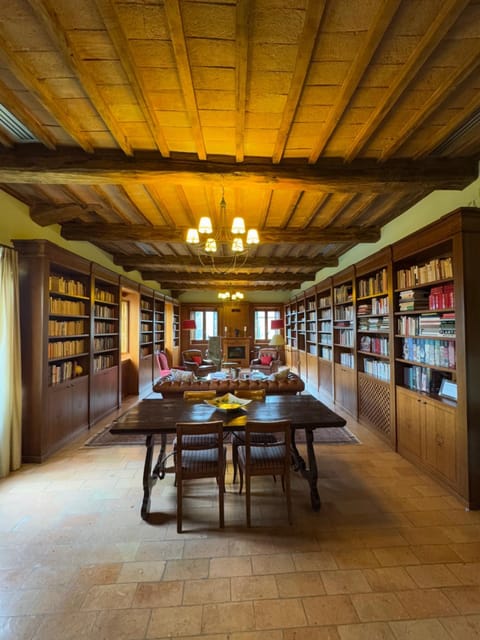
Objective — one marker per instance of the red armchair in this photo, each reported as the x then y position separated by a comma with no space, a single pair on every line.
267,360
193,360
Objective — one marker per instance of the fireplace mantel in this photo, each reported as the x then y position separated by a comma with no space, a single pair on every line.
236,350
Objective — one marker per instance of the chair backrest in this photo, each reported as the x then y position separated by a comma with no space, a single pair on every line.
268,352
190,355
199,395
251,394
281,429
162,361
214,427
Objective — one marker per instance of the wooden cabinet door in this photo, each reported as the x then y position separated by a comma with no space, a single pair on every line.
345,391
325,381
312,371
79,392
410,412
439,439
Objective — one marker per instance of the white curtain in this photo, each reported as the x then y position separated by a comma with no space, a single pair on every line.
10,365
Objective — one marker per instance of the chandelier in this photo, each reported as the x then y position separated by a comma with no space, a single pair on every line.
226,295
211,244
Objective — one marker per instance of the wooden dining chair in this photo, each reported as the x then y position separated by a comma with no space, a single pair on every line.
260,459
238,437
192,463
197,440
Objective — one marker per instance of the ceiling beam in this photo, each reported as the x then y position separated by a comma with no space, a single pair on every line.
140,261
330,175
194,277
143,233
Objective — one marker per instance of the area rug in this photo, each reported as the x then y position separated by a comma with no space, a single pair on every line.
331,435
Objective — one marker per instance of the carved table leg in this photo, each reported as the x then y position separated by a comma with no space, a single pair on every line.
310,474
148,479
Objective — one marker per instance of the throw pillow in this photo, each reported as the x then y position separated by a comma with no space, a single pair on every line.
197,359
178,375
279,375
266,360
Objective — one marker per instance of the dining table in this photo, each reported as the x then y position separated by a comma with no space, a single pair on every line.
159,417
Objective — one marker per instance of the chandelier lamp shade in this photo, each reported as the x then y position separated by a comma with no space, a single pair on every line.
212,242
226,295
189,325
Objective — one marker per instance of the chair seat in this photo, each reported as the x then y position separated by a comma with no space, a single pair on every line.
263,459
199,461
265,438
200,441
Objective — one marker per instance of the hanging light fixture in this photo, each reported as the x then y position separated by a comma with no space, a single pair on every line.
209,242
226,295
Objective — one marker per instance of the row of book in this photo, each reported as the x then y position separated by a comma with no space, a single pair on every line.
377,369
102,344
381,323
418,378
66,348
344,337
436,269
58,328
106,296
104,312
325,353
347,360
343,294
103,361
374,344
374,284
59,284
437,353
431,324
442,297
67,307
100,326
344,313
60,372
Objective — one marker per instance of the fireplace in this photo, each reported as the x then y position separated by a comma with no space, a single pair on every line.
236,350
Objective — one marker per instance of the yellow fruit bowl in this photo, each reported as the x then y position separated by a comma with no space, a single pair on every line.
228,403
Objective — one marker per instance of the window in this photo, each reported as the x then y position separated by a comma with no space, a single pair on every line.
262,321
206,322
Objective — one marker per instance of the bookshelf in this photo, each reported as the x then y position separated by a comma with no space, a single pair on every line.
325,338
146,339
344,341
105,361
374,344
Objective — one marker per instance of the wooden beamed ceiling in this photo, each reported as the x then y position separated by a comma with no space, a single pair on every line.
318,121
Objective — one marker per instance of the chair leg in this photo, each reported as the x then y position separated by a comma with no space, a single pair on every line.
234,460
221,496
179,505
241,480
247,498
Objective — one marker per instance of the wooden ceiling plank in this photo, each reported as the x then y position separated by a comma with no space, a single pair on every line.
49,18
306,44
145,233
373,39
326,175
241,73
324,198
448,13
139,261
50,102
350,214
175,23
122,47
434,102
46,214
14,105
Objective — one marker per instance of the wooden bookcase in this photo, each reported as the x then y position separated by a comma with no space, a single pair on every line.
146,340
325,338
159,323
54,298
345,380
374,344
105,331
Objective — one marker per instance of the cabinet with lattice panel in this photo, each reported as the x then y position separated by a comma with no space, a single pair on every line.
437,351
374,344
345,379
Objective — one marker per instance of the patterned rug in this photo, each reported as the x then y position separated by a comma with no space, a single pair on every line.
332,435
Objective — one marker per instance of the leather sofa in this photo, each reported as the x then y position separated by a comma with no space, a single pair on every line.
291,384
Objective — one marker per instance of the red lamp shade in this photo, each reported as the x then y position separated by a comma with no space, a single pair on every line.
277,324
188,324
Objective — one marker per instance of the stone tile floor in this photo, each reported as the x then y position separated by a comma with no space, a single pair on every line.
391,555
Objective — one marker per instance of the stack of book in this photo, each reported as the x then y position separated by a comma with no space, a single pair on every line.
442,297
413,300
447,324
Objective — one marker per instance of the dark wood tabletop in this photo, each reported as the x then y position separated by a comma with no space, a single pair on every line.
159,417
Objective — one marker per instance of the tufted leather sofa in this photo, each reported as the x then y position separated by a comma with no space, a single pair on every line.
292,384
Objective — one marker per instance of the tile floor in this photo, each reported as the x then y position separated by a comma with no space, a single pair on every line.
390,556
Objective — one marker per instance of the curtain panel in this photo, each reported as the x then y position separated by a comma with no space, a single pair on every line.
10,365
